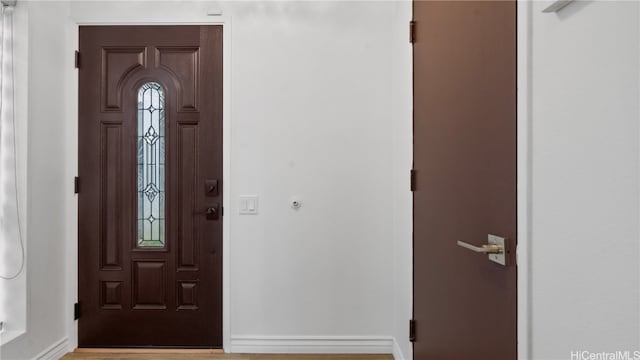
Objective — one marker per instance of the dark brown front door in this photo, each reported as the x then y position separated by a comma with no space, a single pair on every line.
465,159
150,186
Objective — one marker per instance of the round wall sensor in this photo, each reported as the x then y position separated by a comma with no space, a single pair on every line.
296,204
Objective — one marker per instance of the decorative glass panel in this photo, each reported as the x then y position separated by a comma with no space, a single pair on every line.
151,192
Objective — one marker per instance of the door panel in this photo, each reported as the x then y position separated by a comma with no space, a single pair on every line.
150,138
465,160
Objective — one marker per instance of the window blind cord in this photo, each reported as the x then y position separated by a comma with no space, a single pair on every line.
9,18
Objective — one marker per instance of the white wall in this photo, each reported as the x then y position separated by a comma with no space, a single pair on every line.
48,186
322,134
312,115
13,294
585,176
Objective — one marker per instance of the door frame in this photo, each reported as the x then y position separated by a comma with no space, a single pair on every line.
523,158
72,129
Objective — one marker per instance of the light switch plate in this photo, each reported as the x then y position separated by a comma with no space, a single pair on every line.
248,205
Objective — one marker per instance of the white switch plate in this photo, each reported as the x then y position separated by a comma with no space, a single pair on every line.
248,204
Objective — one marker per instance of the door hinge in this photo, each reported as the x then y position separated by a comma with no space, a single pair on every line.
76,185
222,210
412,330
413,180
76,311
412,32
77,59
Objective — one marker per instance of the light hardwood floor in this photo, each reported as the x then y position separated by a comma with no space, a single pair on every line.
217,356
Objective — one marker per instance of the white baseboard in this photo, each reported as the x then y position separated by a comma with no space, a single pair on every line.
10,335
55,351
312,344
397,352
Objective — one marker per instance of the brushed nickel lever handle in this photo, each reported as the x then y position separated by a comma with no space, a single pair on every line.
496,249
485,249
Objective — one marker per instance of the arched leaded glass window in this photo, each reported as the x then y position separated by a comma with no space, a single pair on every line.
151,166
